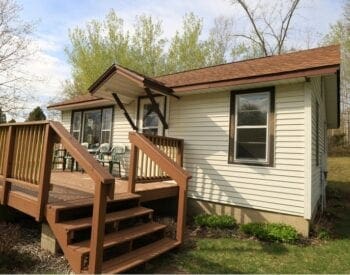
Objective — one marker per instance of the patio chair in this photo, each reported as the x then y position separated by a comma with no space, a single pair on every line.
117,154
102,151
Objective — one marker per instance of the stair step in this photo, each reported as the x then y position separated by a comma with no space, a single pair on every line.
138,256
89,201
83,223
120,237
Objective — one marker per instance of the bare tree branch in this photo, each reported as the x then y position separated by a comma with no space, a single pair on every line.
270,24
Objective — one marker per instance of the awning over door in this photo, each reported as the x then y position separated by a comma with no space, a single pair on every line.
127,84
124,86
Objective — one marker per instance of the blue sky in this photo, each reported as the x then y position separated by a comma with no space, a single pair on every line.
54,17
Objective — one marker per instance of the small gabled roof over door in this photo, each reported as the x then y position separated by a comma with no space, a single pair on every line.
127,84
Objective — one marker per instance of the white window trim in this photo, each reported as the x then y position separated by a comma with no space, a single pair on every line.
267,126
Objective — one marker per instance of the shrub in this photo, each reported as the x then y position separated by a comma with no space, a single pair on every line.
273,232
9,235
324,234
215,221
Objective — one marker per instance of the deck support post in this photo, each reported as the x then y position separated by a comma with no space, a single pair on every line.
132,168
181,212
45,172
98,227
10,143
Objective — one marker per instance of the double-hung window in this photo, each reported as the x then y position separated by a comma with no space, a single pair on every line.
251,132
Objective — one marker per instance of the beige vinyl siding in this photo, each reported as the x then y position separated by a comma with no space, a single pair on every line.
121,129
317,171
203,122
66,117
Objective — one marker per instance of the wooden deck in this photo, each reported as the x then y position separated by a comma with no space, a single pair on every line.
98,220
67,186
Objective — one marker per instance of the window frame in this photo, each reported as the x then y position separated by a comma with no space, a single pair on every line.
270,128
82,111
162,101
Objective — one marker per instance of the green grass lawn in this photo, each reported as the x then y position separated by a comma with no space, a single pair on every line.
230,255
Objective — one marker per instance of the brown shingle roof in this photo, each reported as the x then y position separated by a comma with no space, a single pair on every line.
295,64
75,100
291,62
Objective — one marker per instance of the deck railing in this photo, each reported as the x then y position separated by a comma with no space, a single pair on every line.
25,161
140,144
147,169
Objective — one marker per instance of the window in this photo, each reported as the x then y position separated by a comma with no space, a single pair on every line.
148,120
93,127
251,127
106,129
76,125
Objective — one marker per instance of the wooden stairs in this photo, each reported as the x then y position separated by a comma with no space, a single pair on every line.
103,233
131,236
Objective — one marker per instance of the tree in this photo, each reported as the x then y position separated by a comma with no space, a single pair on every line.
12,120
340,34
95,47
14,50
220,40
270,23
36,114
147,49
2,117
186,50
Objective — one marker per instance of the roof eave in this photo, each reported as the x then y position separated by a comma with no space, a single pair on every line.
331,69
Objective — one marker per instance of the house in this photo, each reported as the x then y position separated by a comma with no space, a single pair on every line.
254,131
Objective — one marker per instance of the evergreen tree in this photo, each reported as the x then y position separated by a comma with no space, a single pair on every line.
36,114
2,117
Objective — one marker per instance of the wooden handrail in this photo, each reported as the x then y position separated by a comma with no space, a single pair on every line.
25,157
148,170
139,142
173,169
104,186
90,165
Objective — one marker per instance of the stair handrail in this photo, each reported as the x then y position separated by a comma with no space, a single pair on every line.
104,187
174,170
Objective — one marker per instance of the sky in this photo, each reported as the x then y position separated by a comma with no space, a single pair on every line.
53,19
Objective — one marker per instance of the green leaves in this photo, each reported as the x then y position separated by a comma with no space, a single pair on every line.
273,232
101,43
215,221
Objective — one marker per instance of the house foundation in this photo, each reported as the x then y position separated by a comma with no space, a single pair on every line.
246,215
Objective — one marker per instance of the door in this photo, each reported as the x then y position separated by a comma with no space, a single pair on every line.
148,121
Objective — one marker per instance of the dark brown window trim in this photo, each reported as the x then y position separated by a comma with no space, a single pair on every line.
91,109
271,119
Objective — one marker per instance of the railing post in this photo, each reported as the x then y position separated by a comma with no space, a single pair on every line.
45,172
181,211
180,153
10,142
132,168
98,227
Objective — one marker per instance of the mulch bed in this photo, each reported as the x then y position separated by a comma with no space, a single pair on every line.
26,256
